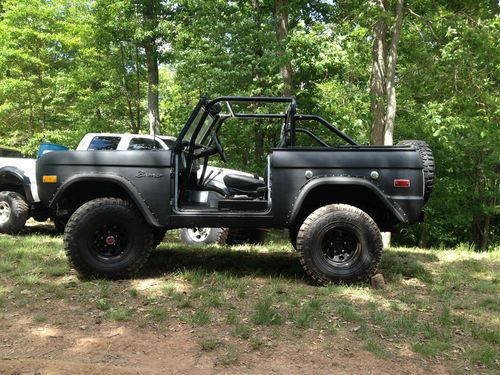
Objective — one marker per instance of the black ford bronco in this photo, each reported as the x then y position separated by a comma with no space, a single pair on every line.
334,200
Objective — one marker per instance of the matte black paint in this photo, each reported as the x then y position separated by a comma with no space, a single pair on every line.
148,177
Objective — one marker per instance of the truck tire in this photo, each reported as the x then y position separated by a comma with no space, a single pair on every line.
246,236
292,235
339,243
107,238
158,235
14,212
428,162
204,236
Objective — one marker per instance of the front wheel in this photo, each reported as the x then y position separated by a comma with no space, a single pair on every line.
339,243
107,237
14,212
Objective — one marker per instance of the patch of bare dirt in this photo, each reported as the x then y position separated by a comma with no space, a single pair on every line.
80,346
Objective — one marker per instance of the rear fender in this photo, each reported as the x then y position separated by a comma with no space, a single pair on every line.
319,181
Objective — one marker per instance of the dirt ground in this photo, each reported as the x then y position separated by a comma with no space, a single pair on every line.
92,346
64,335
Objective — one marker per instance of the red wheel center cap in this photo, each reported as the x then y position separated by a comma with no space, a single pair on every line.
110,240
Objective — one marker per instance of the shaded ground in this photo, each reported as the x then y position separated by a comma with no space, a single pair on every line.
245,309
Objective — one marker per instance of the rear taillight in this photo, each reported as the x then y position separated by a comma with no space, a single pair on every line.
401,183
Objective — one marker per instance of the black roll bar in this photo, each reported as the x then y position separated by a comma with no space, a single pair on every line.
328,125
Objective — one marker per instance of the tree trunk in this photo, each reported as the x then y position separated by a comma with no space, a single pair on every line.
259,142
483,246
391,75
259,134
424,237
377,83
133,127
281,9
138,90
153,98
30,122
151,23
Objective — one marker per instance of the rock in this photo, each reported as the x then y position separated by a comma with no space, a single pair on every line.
378,281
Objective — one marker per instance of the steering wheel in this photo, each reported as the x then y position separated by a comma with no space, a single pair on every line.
218,147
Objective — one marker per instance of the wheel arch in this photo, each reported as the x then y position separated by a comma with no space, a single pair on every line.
14,179
88,187
354,191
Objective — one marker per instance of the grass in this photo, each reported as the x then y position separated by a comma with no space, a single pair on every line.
208,343
199,317
377,348
230,355
119,314
266,313
250,298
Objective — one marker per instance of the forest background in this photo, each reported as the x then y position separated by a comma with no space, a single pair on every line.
380,70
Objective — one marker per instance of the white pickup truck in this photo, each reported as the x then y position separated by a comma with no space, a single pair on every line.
19,194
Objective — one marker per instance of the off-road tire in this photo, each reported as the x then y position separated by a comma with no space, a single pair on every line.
246,236
158,235
15,212
352,230
428,163
216,236
293,232
86,250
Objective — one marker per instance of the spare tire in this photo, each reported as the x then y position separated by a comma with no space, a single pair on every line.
428,164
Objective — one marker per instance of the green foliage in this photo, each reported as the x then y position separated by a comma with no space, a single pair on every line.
68,68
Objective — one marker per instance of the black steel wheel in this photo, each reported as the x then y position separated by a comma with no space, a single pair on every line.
339,243
14,212
107,237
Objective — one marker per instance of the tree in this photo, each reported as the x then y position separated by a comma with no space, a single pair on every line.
282,10
150,10
383,78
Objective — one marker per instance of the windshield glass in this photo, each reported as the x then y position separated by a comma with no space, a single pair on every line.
204,130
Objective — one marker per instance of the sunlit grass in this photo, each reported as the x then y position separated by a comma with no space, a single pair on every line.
233,298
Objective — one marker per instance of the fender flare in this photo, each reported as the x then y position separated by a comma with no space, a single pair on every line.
341,180
120,181
19,175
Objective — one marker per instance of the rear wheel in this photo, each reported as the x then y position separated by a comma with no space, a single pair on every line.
14,212
107,237
292,235
204,236
339,243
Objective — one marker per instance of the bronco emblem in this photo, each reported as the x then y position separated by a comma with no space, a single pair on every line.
141,174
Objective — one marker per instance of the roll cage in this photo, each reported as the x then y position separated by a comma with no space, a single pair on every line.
212,109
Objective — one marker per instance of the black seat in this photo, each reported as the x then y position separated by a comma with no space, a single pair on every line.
238,184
